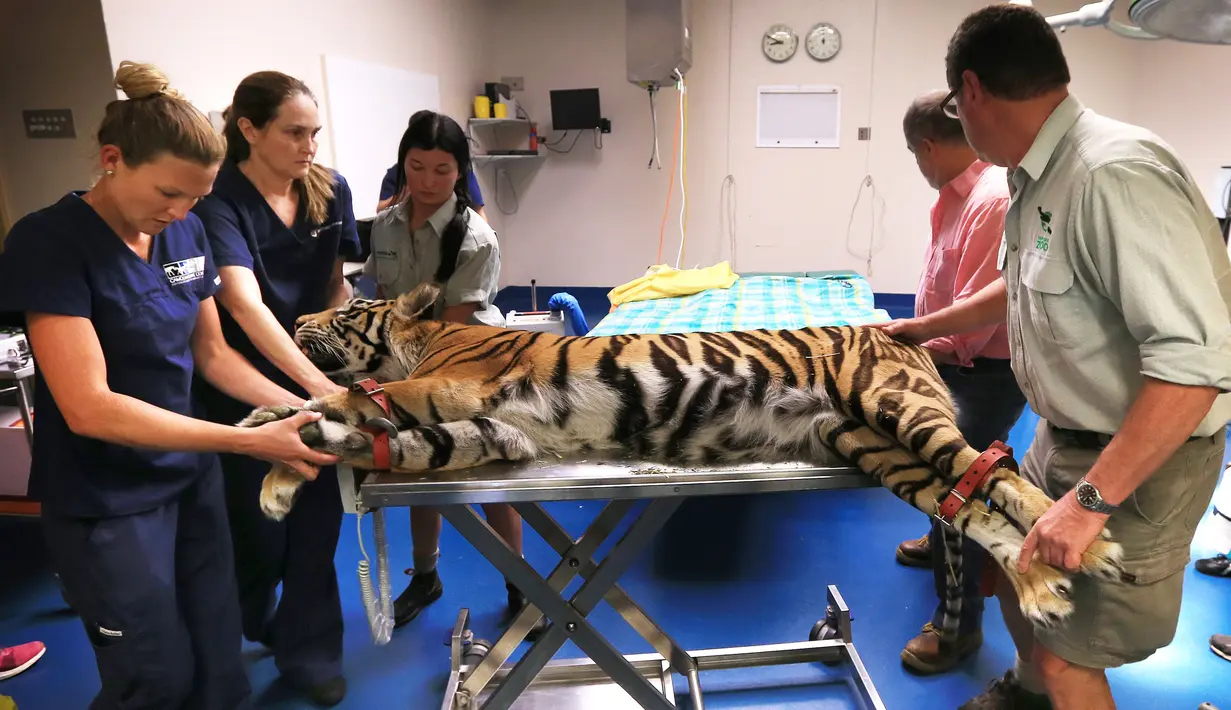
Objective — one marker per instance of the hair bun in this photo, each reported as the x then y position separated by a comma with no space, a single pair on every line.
143,81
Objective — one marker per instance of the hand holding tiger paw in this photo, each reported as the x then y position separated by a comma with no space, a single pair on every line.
1062,535
282,442
265,415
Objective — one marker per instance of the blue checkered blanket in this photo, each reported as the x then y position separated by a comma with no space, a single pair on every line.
769,301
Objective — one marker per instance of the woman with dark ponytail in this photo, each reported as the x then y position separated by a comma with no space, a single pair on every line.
433,235
280,226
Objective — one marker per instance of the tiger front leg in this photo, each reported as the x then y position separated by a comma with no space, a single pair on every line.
278,491
434,447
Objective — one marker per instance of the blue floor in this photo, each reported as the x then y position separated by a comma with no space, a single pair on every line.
726,572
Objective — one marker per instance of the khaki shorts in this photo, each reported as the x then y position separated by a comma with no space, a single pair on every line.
1119,623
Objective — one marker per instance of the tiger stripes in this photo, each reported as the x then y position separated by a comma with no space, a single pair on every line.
465,395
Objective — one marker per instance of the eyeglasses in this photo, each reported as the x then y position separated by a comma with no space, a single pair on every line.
949,105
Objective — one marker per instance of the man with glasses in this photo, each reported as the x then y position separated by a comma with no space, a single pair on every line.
967,226
1117,287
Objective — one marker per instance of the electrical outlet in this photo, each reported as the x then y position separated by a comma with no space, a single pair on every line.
604,125
865,134
515,83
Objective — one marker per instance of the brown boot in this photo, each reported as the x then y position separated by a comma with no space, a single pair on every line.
1006,694
916,553
926,654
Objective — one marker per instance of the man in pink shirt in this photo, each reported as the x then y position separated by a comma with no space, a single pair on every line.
967,228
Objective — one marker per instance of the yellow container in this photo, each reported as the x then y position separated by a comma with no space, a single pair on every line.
501,111
482,107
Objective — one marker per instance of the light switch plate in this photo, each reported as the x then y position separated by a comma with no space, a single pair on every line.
49,123
515,83
865,134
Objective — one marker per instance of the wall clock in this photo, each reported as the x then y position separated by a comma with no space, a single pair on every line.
824,41
779,43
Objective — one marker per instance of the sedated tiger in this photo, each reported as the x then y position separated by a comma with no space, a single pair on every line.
464,395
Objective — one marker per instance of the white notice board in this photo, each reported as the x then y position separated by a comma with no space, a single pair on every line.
798,116
368,108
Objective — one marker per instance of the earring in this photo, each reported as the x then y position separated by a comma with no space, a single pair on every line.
109,173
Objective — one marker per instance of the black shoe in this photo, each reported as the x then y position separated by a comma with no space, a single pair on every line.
1221,645
517,602
1216,566
424,588
1007,694
328,693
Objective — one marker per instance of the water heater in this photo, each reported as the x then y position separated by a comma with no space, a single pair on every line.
658,41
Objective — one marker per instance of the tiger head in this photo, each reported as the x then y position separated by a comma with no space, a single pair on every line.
368,337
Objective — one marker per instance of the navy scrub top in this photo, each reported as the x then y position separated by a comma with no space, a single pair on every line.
293,266
389,186
65,260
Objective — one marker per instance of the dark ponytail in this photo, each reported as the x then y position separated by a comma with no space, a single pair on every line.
429,130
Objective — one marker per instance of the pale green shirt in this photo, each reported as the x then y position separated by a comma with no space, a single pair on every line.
401,261
1116,270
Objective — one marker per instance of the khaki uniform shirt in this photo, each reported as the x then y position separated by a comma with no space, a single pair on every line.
1115,270
401,261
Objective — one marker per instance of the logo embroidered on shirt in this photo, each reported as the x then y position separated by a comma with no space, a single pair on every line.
185,270
1042,242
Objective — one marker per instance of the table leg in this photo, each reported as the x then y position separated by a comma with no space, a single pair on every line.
598,531
568,619
555,535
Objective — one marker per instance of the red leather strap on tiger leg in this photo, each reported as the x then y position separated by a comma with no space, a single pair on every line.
380,429
998,455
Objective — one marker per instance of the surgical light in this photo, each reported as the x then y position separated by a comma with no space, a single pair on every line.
1200,21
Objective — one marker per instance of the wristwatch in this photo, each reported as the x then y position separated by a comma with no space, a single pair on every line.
1089,498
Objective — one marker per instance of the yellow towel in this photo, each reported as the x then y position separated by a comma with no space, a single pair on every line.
662,281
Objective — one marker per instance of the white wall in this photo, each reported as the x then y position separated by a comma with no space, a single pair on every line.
61,49
1179,95
593,217
222,41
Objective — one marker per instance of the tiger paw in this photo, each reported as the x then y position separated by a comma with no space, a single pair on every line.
1044,594
1104,560
278,492
265,415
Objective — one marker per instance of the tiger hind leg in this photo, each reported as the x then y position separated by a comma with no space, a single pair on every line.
1042,591
1025,504
916,411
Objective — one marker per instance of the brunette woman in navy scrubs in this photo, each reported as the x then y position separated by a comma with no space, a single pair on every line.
280,227
116,288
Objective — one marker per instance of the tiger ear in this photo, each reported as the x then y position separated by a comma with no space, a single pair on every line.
414,303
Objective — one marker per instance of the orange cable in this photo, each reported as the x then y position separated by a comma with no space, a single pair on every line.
675,151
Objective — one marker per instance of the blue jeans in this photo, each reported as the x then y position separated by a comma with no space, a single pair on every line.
989,402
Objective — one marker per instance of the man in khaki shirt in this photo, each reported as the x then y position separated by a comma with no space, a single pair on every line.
1117,288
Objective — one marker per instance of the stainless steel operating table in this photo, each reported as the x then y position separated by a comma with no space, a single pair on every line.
483,678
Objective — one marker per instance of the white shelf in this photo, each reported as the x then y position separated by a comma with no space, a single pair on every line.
496,121
505,158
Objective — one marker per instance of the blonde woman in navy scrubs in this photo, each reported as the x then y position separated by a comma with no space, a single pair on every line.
280,227
116,287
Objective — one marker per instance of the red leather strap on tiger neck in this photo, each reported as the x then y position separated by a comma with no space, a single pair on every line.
380,435
998,455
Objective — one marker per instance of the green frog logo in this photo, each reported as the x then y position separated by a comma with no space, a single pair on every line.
1043,240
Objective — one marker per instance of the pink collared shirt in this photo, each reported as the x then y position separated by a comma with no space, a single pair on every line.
967,228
